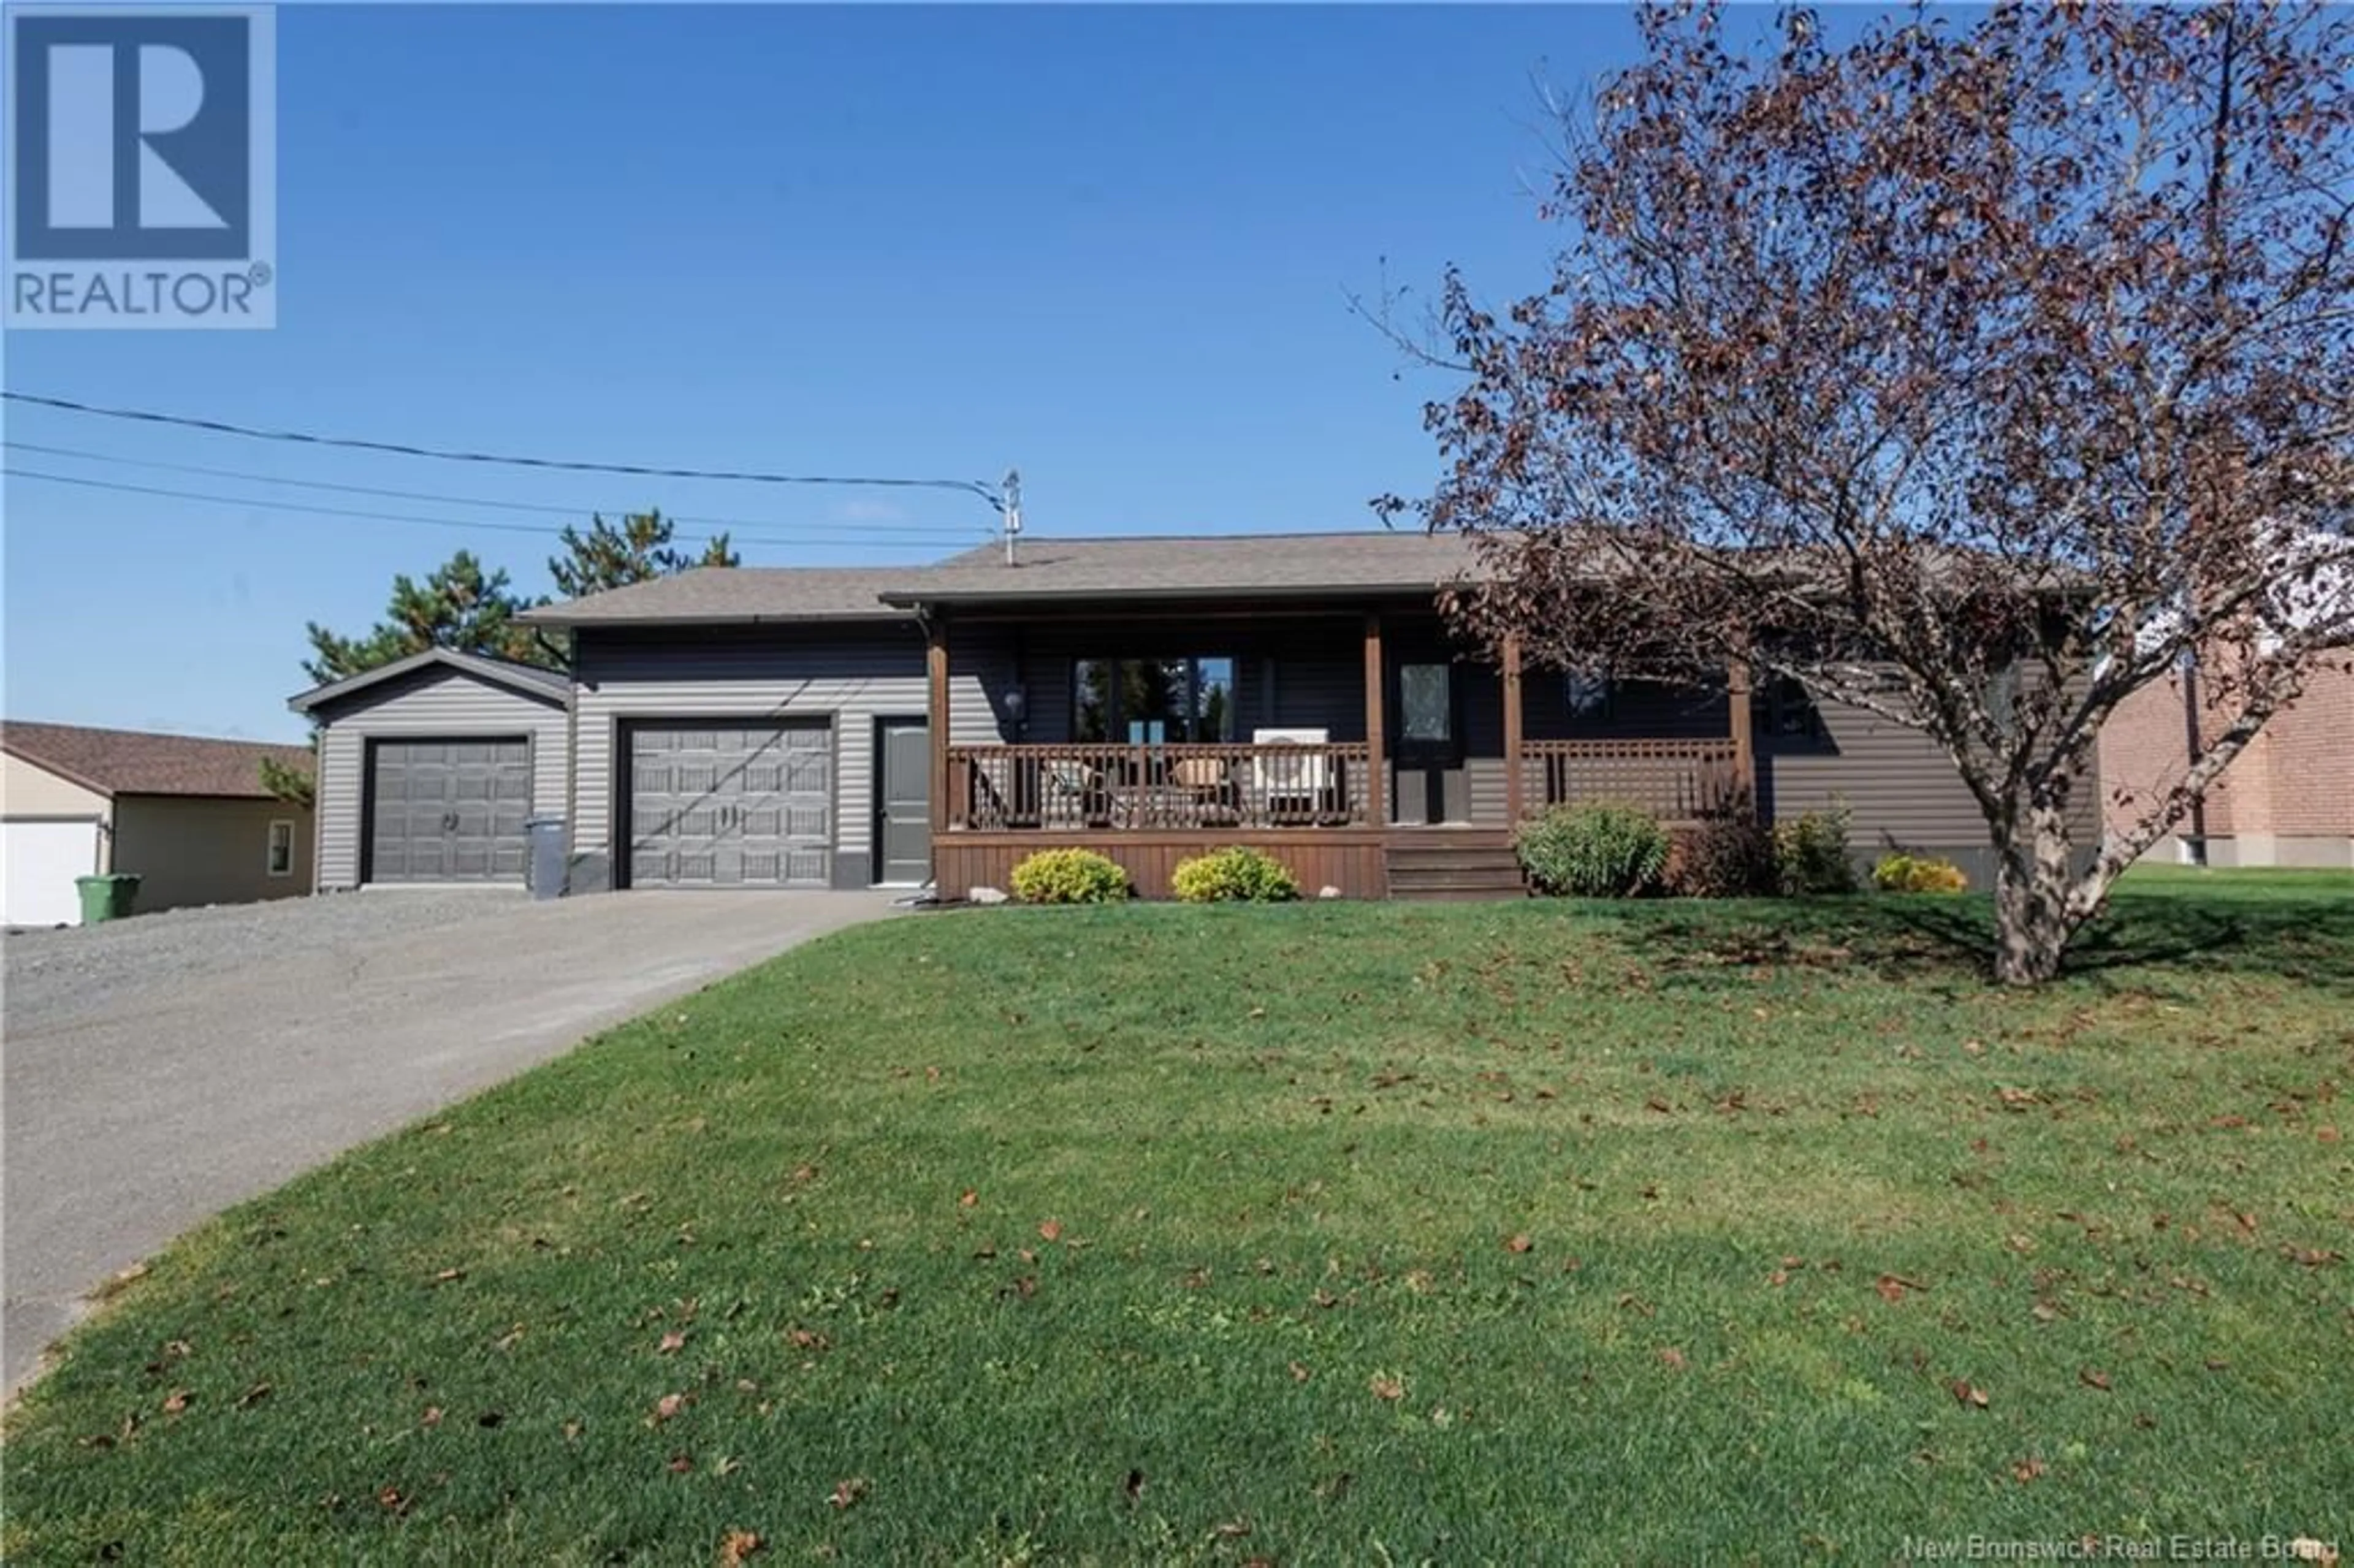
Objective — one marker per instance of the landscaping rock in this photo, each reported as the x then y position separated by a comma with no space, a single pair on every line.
987,896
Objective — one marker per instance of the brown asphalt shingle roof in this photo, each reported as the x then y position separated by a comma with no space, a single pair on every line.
1200,566
716,594
134,762
1278,564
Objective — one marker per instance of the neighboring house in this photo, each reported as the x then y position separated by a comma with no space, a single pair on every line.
2288,799
1150,698
187,815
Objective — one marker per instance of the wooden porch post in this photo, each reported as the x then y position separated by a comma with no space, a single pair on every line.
1736,705
1513,784
1376,811
936,637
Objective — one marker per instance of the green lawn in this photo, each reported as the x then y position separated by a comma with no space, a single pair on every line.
1648,1233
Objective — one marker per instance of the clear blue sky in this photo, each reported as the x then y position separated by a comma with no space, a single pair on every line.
1109,246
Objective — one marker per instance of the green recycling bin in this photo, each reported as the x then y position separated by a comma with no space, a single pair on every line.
106,897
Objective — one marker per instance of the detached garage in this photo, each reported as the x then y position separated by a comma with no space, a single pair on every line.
431,767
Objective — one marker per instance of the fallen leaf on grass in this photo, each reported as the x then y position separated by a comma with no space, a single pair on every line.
2016,1100
1386,1387
1673,1358
511,1339
1231,1530
1052,1230
177,1401
1300,1373
670,1342
432,1417
680,1464
738,1545
449,1276
2091,1377
1893,1286
1970,1393
1520,1243
845,1494
666,1407
2027,1470
253,1396
968,1199
390,1498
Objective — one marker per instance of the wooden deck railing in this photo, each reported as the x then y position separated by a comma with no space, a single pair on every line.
1143,788
1675,779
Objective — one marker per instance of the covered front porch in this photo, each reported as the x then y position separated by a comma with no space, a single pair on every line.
1339,743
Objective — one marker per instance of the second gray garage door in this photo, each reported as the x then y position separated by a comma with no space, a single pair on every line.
447,810
731,806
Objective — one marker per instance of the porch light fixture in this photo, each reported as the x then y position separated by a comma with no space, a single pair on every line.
1017,706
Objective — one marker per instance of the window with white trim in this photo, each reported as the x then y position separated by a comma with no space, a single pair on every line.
281,848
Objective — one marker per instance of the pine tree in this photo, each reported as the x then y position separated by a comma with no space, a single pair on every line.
459,606
608,557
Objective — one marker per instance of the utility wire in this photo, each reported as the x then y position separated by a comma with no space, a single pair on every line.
539,528
987,492
928,529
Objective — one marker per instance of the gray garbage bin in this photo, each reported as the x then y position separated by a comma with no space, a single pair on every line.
544,873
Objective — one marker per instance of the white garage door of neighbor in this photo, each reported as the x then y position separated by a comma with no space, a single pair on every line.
38,863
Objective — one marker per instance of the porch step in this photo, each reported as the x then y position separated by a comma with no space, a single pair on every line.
1432,872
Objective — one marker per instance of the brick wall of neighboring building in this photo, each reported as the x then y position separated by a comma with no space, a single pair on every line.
2288,799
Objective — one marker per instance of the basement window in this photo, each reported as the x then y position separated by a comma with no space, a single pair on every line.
281,848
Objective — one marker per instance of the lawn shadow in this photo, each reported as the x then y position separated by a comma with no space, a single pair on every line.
1948,943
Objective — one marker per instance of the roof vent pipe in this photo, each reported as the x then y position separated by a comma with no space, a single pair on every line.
1012,509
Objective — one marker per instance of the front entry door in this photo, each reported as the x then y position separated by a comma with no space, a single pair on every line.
1429,737
903,802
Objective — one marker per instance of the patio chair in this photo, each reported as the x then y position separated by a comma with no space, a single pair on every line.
1075,791
1297,788
1211,786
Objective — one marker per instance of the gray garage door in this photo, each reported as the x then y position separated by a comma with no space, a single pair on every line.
731,806
449,810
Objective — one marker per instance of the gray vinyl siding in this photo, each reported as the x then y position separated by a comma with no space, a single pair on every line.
847,675
441,704
1307,675
1899,788
1636,710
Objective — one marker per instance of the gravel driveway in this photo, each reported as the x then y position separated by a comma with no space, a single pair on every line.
162,1068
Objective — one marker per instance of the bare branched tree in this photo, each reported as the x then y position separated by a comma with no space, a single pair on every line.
1977,376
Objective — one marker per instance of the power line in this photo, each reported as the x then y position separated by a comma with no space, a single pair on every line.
309,509
931,530
399,448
